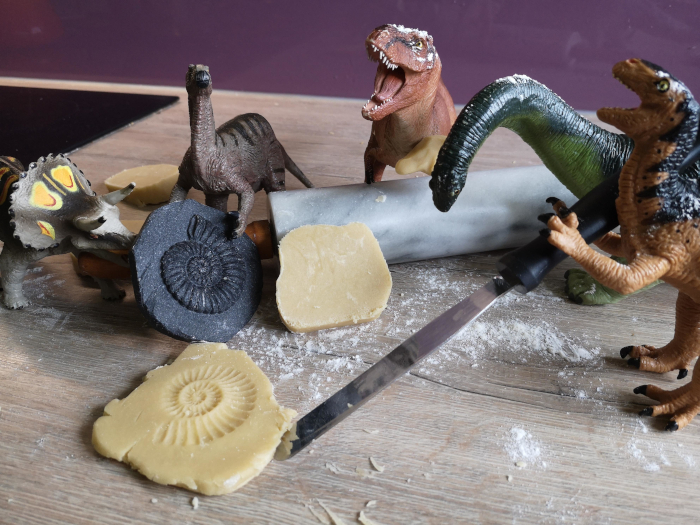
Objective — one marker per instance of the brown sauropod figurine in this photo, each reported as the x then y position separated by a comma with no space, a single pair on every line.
242,156
410,100
659,212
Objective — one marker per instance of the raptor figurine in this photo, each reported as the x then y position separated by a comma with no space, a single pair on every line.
49,209
410,100
659,212
242,156
579,153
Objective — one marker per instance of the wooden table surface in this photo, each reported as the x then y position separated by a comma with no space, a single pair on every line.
528,417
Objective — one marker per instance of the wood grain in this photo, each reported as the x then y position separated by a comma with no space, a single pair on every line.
444,432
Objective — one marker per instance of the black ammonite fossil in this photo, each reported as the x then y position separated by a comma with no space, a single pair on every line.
192,281
203,272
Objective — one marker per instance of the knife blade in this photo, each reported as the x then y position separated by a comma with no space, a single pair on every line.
522,269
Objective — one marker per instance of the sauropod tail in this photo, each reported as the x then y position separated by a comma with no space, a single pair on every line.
294,169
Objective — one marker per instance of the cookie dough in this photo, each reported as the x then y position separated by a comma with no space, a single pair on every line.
421,158
331,276
208,422
153,183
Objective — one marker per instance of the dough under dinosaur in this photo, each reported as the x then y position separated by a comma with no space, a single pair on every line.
331,276
422,157
208,422
154,183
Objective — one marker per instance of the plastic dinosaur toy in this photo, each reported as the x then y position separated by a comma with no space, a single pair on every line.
409,102
242,156
659,212
579,153
49,209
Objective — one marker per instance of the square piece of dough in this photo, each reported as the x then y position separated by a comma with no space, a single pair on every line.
331,276
208,422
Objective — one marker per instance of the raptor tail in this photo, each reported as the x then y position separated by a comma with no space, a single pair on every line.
294,169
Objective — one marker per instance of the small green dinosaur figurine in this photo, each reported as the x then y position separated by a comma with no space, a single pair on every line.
579,153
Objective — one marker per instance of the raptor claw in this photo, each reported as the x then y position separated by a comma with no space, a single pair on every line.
672,426
641,390
624,352
646,411
545,232
564,212
634,362
682,373
552,200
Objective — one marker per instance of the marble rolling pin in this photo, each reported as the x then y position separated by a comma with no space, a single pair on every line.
497,209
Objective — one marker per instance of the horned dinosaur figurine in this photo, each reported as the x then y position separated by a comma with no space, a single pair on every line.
410,100
242,156
579,153
49,209
659,212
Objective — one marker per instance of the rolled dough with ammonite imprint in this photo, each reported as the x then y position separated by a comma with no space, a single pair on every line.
209,422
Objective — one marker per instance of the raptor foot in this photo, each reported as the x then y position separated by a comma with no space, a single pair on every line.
683,404
664,359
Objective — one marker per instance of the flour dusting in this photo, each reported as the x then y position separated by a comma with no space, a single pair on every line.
652,452
523,449
524,338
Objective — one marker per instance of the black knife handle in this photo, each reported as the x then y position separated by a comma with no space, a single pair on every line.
526,266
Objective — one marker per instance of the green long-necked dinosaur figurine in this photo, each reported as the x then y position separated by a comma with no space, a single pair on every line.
579,153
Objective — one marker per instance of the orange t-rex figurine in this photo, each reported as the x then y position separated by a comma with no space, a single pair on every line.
410,100
659,212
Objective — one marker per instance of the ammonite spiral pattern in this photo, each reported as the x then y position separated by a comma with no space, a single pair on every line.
204,273
205,403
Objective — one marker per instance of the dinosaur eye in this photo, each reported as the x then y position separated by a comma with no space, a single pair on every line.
663,85
417,45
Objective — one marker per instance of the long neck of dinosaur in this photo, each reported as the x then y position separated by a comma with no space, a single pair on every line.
567,143
202,128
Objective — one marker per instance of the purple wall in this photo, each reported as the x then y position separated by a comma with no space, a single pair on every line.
317,47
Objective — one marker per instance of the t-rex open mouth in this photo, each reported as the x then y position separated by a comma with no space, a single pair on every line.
388,82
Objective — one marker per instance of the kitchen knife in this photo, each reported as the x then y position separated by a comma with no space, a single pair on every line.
522,269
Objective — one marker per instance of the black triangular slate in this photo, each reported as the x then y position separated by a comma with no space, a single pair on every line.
37,121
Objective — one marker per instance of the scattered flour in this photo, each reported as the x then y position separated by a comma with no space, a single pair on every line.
316,364
653,452
524,338
523,449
